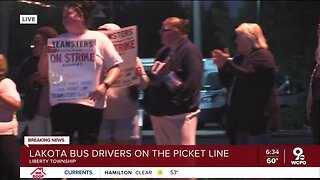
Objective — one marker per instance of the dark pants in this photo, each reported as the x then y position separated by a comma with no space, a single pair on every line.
69,118
316,135
231,134
9,163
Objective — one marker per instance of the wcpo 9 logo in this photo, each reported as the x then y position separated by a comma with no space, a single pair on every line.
300,158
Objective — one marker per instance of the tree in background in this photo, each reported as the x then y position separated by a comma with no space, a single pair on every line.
290,29
218,28
148,16
292,38
292,35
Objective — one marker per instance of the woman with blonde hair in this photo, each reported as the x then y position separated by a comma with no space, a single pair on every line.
9,104
252,106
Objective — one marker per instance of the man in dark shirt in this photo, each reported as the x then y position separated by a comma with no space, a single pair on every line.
173,95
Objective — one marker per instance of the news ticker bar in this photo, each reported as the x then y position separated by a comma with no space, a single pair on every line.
172,172
169,156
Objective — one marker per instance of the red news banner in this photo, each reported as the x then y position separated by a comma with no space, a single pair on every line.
169,156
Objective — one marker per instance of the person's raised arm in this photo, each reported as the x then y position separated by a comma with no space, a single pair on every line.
43,65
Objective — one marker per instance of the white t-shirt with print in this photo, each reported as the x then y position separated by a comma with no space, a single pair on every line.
106,57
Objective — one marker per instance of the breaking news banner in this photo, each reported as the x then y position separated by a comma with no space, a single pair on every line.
54,157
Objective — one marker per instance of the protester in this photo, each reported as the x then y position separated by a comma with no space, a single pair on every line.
252,105
173,95
9,104
120,124
83,115
313,101
36,106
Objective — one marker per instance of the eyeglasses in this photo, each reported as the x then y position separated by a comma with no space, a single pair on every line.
33,44
162,30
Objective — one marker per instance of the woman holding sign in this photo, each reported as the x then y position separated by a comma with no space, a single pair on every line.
77,82
118,127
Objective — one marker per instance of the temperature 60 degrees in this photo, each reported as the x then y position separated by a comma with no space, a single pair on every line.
272,160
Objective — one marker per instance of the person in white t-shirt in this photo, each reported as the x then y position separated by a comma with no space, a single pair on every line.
9,103
83,115
120,124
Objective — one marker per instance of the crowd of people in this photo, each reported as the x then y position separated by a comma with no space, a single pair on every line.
109,115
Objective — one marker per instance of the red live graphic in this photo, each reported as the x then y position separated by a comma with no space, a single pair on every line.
169,156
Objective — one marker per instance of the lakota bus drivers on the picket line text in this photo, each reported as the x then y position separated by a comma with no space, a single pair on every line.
119,153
